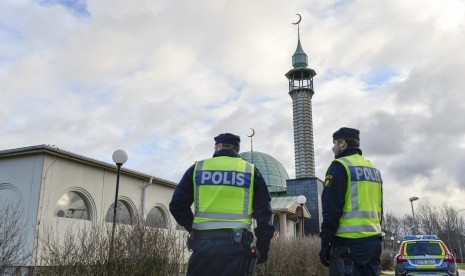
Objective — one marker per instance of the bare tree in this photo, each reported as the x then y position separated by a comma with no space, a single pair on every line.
407,224
447,222
428,219
12,237
392,226
459,236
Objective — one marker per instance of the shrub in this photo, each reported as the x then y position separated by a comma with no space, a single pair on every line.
299,256
387,263
138,250
12,237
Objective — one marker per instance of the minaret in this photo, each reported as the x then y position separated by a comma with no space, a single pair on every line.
301,91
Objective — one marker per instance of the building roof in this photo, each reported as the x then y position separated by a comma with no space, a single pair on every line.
299,59
54,150
288,205
272,170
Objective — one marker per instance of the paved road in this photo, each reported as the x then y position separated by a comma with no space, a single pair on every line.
461,272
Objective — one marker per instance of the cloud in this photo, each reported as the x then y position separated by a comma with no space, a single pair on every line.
162,78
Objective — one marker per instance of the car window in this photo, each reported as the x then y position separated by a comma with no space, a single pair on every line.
424,248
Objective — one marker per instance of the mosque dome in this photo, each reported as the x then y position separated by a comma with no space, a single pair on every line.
271,169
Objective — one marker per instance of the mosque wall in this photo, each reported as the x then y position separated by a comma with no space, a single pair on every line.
20,178
56,191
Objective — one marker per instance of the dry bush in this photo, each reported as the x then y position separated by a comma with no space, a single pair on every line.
12,237
299,256
387,263
138,250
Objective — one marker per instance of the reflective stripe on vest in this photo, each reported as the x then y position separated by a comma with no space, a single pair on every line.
236,175
356,223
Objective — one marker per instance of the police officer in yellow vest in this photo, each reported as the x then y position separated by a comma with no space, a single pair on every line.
226,193
352,209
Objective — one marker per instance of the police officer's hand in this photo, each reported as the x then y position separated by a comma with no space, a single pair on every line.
263,248
325,253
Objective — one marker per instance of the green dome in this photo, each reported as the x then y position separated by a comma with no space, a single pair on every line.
271,169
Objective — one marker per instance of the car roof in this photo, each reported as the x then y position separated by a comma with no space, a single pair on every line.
408,238
422,240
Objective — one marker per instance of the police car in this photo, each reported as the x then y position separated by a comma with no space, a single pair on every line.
424,255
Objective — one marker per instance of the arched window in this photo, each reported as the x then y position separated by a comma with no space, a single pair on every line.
157,218
123,213
72,205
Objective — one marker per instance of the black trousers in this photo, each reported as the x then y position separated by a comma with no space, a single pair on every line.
365,254
217,257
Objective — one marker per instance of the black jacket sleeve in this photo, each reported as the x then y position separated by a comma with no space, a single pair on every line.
183,197
262,214
332,200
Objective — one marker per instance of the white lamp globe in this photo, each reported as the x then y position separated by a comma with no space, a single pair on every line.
120,157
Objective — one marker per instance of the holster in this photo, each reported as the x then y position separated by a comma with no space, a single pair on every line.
340,263
247,238
190,241
251,260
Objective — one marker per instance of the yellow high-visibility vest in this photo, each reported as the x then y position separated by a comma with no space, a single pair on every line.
223,193
362,209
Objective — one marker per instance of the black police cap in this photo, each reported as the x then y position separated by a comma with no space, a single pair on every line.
345,132
228,138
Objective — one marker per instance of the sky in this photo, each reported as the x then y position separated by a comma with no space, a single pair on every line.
161,78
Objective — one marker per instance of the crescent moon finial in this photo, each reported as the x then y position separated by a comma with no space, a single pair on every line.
298,21
298,26
253,133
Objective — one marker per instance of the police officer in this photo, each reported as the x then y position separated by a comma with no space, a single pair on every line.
352,208
227,192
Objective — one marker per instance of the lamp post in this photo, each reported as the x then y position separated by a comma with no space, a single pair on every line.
392,242
412,199
398,245
119,157
301,200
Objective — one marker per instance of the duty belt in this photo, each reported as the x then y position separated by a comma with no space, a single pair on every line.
235,235
213,234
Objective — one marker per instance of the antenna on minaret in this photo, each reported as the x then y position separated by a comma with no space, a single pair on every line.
251,142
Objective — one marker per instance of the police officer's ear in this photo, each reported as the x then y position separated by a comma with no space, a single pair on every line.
342,143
